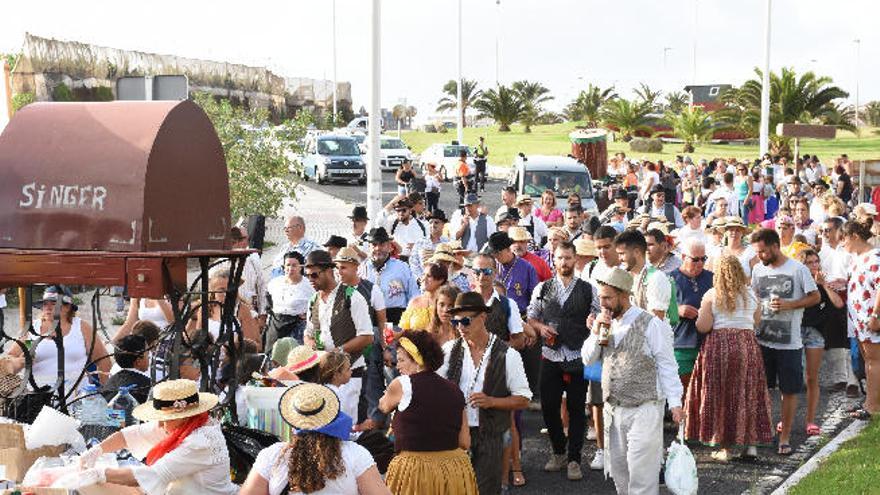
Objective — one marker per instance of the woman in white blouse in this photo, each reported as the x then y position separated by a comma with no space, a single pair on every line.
184,449
319,459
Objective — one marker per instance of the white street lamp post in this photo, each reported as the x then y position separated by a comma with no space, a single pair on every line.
765,86
334,63
460,119
694,48
374,175
858,43
497,42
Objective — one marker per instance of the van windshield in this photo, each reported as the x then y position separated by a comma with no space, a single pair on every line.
338,147
455,151
392,144
561,183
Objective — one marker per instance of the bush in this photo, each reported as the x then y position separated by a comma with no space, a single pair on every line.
429,128
20,100
645,145
62,93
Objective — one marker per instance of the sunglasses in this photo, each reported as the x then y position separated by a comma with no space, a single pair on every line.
315,275
484,271
698,259
465,321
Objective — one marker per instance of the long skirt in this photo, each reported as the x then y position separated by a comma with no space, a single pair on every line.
727,402
432,473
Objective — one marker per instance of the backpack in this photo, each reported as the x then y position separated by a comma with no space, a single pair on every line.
418,222
672,310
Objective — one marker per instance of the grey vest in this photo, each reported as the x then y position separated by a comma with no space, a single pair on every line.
481,233
629,376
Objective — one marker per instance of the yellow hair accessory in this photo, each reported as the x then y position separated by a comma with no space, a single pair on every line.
412,350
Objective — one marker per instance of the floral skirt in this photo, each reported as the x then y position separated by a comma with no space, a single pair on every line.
431,473
728,403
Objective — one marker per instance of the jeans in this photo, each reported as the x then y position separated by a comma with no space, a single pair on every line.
553,382
745,209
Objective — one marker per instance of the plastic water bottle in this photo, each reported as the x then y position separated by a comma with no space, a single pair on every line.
120,407
93,407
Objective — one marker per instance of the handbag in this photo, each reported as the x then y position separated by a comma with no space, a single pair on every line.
244,444
593,372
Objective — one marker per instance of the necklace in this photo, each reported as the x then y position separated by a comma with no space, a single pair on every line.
483,360
505,275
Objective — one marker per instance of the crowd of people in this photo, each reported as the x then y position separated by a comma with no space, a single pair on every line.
701,294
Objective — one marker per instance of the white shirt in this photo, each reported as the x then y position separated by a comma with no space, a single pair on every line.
743,316
431,182
253,287
200,464
834,262
540,226
730,195
360,315
817,211
290,298
455,225
658,345
514,323
406,234
659,290
356,460
517,382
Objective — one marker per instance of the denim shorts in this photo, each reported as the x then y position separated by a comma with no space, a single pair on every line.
812,338
785,368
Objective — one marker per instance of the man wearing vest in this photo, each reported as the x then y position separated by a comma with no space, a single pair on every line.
653,291
347,262
659,208
559,311
481,153
492,379
392,276
639,375
338,317
406,228
536,227
472,228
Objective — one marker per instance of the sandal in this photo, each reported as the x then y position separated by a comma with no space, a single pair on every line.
860,414
784,449
518,478
813,430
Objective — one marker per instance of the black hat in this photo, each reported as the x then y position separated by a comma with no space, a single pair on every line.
469,301
321,258
438,215
657,188
359,213
621,194
499,241
378,235
506,216
336,241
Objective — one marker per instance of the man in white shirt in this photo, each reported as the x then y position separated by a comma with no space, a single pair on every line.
473,228
652,288
492,378
405,228
636,384
659,208
536,227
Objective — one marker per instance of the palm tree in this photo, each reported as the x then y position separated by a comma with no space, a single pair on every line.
840,116
692,125
738,113
626,116
399,113
469,94
532,94
502,105
588,103
676,101
411,112
871,113
648,96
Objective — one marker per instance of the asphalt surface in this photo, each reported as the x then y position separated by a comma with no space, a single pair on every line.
736,477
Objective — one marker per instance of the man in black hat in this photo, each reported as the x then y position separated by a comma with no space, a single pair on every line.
492,379
508,200
619,211
659,208
334,244
338,317
391,275
405,228
472,227
436,222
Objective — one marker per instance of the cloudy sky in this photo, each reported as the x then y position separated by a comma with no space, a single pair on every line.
563,43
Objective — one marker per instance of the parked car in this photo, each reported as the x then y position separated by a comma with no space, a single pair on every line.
392,152
364,123
331,157
446,156
563,175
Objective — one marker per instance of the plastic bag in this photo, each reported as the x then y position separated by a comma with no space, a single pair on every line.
54,428
46,471
681,468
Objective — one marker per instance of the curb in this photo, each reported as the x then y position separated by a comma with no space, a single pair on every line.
814,462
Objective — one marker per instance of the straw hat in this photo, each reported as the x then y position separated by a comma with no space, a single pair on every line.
718,223
443,252
308,406
557,231
523,199
518,234
617,278
585,247
175,399
347,254
867,208
302,357
735,222
661,226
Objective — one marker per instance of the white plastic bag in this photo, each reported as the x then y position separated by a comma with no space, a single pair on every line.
681,468
51,427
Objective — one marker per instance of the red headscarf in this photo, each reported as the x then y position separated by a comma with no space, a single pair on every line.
176,437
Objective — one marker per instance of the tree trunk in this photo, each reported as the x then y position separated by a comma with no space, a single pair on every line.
503,127
528,129
688,148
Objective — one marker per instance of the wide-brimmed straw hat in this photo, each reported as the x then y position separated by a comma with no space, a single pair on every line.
347,254
175,399
302,357
523,199
308,406
585,247
735,222
443,252
519,234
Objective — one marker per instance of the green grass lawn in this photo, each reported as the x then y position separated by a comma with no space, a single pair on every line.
853,469
553,140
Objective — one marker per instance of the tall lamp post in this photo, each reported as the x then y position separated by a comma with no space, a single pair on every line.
694,47
460,119
765,86
497,42
858,43
374,175
334,63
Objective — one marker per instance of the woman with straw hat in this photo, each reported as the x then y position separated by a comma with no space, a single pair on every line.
733,243
319,459
431,432
184,449
302,364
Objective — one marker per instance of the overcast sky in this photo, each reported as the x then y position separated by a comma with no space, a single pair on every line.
565,44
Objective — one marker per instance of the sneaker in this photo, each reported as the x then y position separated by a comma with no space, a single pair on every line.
591,433
598,462
574,471
556,462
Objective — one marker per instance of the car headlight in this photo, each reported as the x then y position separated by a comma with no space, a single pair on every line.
328,161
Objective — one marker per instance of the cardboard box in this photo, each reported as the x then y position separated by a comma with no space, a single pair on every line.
15,456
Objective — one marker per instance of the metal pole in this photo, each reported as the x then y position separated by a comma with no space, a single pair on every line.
334,65
460,123
665,53
765,86
374,175
497,42
694,54
858,43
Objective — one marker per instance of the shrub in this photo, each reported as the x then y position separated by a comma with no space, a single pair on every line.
22,99
62,93
429,128
645,145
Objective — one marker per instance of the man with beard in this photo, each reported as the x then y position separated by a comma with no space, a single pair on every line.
520,247
660,250
652,288
406,228
393,276
508,200
436,221
639,376
574,222
559,310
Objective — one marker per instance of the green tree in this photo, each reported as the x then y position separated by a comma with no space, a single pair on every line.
871,114
588,104
503,105
20,100
259,156
839,115
62,93
411,112
693,125
625,116
399,113
648,97
676,101
533,95
469,94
